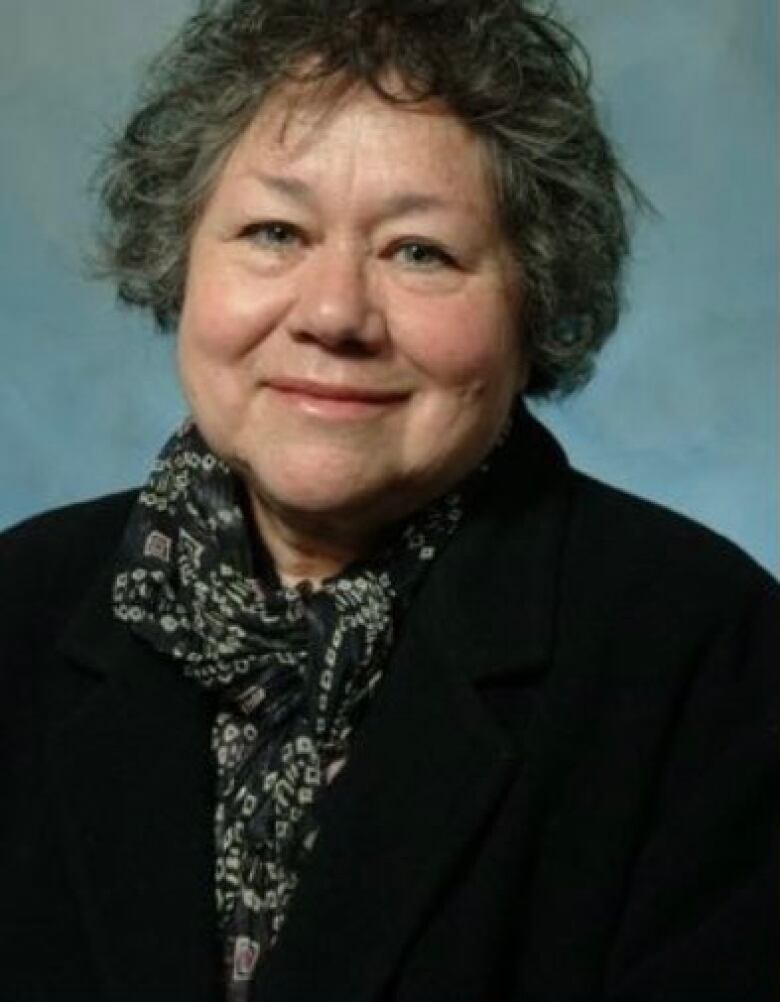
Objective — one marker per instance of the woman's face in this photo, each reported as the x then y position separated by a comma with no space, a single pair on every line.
348,339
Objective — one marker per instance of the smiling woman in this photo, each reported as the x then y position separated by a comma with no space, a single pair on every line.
367,694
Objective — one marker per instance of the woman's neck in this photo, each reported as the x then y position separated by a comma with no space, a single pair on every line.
308,548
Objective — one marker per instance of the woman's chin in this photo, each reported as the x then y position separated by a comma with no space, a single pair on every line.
316,490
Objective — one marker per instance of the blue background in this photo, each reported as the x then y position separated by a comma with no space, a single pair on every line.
684,407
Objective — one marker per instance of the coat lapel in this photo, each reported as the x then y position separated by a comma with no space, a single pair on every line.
133,781
420,778
430,763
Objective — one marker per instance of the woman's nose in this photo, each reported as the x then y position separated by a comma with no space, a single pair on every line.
335,303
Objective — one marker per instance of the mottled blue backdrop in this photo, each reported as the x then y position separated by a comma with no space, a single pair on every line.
684,408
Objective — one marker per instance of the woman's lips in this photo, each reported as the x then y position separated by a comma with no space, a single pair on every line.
330,400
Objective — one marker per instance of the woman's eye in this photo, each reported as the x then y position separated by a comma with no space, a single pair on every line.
272,234
423,255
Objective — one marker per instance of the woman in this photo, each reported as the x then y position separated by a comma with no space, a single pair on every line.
367,694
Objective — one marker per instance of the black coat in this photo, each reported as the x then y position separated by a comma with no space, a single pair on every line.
562,791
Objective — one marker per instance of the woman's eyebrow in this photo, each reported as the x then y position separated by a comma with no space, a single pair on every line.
288,186
393,205
404,203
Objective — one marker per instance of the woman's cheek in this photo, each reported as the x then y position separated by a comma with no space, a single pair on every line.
227,308
462,345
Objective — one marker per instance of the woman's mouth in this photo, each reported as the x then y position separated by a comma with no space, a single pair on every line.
334,400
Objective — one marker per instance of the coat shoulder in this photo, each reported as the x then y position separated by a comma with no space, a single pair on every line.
52,556
48,564
635,570
634,539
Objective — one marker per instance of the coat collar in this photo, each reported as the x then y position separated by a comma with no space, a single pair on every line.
490,600
134,776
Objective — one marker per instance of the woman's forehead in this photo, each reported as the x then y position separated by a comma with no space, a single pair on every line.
313,128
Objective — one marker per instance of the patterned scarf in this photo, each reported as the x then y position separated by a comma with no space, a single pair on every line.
293,670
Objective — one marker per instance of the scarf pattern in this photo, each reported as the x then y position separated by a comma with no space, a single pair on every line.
292,670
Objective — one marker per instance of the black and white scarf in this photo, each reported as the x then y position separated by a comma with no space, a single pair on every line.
292,668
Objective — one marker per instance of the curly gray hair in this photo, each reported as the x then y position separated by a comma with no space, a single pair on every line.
516,76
